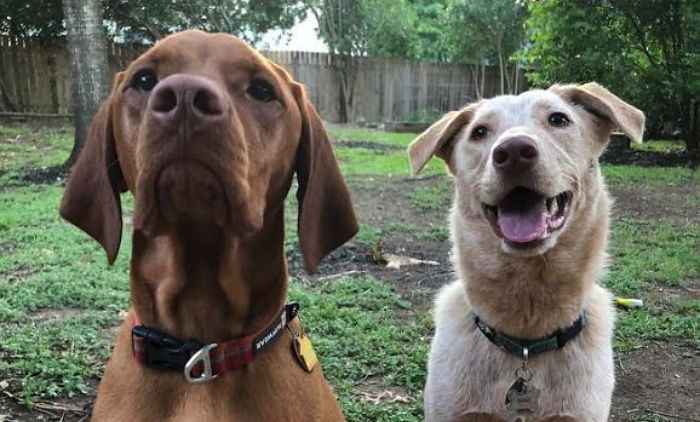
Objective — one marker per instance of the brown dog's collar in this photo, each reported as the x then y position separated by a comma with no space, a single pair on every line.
203,362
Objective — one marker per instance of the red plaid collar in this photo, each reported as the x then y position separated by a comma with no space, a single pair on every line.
203,362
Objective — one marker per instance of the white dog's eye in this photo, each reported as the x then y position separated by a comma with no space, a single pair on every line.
558,120
479,133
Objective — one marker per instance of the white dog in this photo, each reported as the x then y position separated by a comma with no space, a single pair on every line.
526,331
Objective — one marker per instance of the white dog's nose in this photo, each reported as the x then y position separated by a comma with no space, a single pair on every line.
515,155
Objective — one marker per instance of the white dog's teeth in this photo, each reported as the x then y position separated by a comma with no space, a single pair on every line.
553,207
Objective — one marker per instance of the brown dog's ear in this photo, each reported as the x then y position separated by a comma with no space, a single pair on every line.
605,105
437,139
326,217
91,199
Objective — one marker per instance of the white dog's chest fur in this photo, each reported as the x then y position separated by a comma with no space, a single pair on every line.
468,374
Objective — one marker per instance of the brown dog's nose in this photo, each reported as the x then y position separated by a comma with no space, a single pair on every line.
193,95
515,154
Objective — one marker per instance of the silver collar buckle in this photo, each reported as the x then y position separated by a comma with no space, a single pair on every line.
202,356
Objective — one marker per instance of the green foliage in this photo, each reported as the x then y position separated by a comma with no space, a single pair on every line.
646,51
366,27
489,30
134,20
433,42
424,115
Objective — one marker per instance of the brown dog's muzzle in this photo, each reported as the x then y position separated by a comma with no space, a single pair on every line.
193,160
193,98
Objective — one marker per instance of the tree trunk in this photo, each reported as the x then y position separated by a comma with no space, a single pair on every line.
346,73
692,134
87,50
501,64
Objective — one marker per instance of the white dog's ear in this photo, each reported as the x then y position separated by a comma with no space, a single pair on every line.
437,139
605,105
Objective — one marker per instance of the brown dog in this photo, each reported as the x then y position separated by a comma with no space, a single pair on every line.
207,134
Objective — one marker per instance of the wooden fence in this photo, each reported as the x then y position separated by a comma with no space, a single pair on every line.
35,78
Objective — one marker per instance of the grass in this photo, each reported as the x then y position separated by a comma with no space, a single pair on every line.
355,329
52,266
647,253
656,145
432,198
23,148
365,161
58,298
649,176
374,136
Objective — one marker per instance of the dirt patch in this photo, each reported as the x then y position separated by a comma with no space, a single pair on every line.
76,409
18,274
367,145
666,203
646,158
7,247
52,315
385,200
691,291
45,176
660,379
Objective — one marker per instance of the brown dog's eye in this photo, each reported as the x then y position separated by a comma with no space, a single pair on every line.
261,90
145,80
479,133
558,120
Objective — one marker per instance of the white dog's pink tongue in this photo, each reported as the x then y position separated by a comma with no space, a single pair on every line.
521,225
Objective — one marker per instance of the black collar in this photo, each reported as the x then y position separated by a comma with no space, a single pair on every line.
528,348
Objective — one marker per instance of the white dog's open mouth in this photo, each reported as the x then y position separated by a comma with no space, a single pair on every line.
525,217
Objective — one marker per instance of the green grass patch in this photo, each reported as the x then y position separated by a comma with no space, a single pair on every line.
678,321
649,253
371,135
23,148
368,161
646,252
354,325
364,161
656,145
649,176
46,264
432,198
